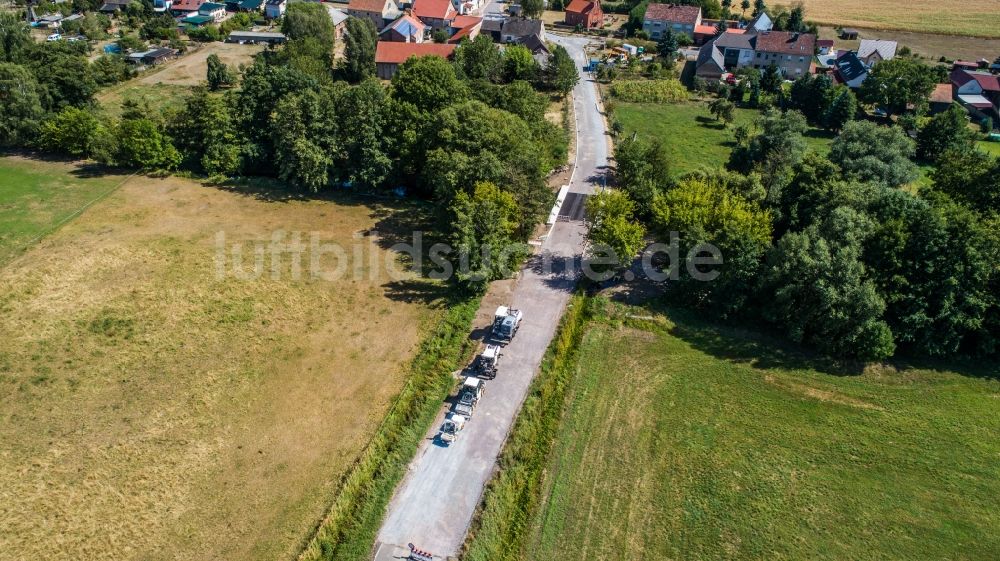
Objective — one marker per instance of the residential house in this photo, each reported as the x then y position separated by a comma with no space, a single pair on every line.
849,70
737,48
978,92
791,52
515,30
465,27
824,46
406,29
274,9
379,12
681,19
585,13
196,20
152,57
186,7
213,10
49,21
389,55
162,5
436,14
940,99
871,51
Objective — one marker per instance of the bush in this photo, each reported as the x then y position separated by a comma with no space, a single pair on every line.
649,91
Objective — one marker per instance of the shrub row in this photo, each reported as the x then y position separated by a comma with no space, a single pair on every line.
498,531
649,91
348,530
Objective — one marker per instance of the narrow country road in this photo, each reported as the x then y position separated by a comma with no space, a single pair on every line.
433,506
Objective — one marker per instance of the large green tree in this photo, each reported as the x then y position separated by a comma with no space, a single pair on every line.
561,74
21,105
945,131
359,49
704,209
479,59
612,228
304,127
363,113
894,84
429,83
816,289
642,169
971,177
71,131
485,224
866,151
774,149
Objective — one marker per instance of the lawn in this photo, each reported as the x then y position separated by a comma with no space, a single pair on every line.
151,408
979,18
693,138
989,147
685,441
36,197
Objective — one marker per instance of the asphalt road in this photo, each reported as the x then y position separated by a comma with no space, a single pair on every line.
434,504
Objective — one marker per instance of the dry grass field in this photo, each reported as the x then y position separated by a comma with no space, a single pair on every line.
164,86
977,18
930,45
151,410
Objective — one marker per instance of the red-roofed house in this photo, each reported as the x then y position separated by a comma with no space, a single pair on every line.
438,14
585,13
185,7
791,52
465,27
681,19
379,12
977,91
388,56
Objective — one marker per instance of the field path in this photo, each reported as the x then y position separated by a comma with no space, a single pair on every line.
434,504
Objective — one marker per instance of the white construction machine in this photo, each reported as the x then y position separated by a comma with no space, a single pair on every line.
506,322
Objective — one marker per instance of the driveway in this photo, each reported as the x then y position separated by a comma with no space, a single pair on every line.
434,505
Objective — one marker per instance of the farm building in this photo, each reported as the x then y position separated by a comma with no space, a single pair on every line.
515,30
389,55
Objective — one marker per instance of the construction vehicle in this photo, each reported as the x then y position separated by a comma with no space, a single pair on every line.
506,322
468,396
485,365
451,427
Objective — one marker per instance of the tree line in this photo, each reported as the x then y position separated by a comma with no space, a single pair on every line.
839,252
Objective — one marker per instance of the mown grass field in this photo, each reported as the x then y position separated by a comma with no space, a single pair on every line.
693,138
151,409
35,197
978,18
686,441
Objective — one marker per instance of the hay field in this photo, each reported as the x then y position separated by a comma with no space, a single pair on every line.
150,410
977,18
683,440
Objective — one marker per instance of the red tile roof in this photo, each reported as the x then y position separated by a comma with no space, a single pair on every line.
375,6
187,5
988,82
463,33
706,29
436,9
825,43
941,94
461,22
397,53
673,13
786,43
580,6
